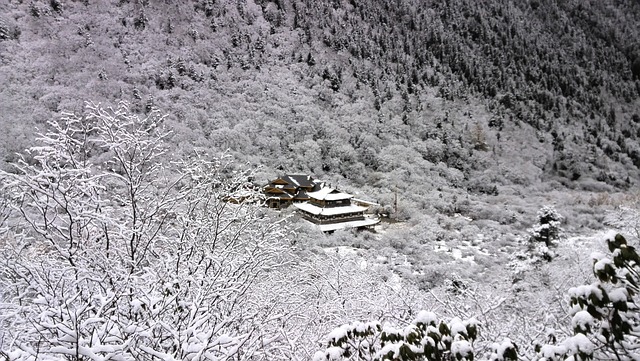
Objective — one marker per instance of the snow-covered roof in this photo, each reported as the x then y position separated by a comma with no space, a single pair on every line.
351,224
283,195
293,181
329,194
331,211
362,201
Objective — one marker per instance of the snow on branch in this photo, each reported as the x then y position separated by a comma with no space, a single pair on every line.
118,251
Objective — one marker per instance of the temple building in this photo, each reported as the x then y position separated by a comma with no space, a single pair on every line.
289,189
318,203
331,210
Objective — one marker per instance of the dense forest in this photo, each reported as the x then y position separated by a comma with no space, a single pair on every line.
502,138
340,84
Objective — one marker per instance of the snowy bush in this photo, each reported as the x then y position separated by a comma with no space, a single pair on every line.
625,219
425,338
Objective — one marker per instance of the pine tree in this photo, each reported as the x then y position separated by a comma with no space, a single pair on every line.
547,229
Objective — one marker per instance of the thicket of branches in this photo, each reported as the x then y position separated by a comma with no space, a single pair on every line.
112,250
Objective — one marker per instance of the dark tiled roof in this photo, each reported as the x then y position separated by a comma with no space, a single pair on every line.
288,185
289,188
317,186
299,180
279,181
301,195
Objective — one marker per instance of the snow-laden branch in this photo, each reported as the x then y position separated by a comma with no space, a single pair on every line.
117,251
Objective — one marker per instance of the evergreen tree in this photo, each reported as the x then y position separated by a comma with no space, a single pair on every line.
547,229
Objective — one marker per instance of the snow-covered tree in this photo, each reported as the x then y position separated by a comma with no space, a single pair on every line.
117,251
625,219
606,313
547,229
545,232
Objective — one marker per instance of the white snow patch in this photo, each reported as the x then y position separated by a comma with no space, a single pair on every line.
457,254
618,295
395,282
363,265
338,333
334,353
582,320
500,349
549,352
426,317
458,215
585,291
601,264
319,356
341,250
461,348
391,347
580,343
457,326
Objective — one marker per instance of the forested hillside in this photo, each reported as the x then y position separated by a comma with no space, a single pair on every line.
338,88
502,138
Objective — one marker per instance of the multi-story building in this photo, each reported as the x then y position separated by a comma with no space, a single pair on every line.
318,203
331,210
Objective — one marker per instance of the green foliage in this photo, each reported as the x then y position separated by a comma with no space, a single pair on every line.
425,338
606,313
